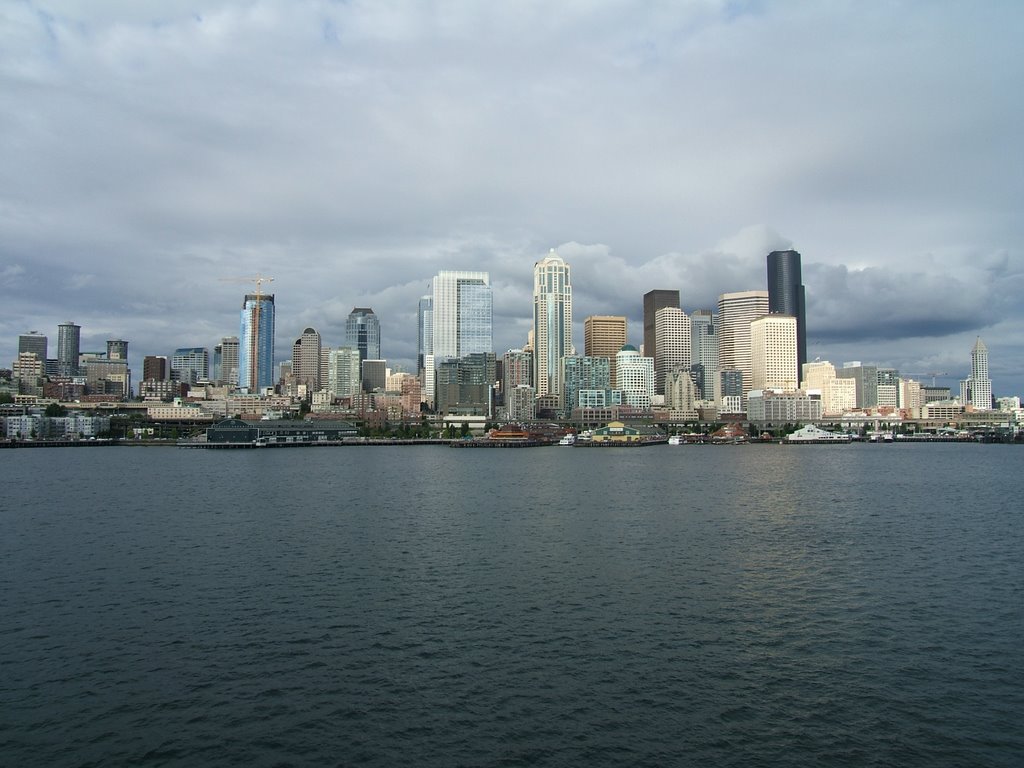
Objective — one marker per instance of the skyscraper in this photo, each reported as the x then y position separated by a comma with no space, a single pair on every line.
256,343
653,301
704,352
461,314
190,365
672,340
117,349
552,321
68,339
773,353
736,311
306,360
343,372
229,361
362,331
154,368
604,336
636,377
786,296
35,343
976,390
424,331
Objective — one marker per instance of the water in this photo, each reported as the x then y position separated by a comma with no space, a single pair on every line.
735,606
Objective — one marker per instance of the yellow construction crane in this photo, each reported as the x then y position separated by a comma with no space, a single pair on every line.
257,278
933,374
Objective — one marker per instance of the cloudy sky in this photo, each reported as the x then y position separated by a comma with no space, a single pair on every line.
152,150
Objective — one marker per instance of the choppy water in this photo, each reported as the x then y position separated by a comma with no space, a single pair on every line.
729,606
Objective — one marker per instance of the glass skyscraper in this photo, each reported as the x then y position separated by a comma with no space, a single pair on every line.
786,296
461,315
362,332
256,343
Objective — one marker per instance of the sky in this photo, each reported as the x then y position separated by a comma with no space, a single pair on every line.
155,153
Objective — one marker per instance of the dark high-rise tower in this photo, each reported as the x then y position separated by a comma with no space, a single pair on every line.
68,338
653,301
786,297
362,332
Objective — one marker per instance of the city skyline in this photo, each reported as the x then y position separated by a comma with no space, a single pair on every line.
124,175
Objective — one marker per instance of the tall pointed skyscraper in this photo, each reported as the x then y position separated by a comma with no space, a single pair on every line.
976,390
786,296
552,321
256,343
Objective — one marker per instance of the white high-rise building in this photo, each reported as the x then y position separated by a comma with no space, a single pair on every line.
344,372
635,377
672,340
773,353
976,390
461,315
552,322
736,311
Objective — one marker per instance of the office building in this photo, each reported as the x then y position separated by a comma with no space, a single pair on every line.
653,301
465,386
838,395
424,331
374,374
703,352
636,377
888,388
604,336
773,355
228,374
680,395
736,311
582,373
362,332
461,315
768,407
34,343
976,390
865,379
306,353
117,349
344,374
786,295
68,340
672,342
256,343
190,365
552,322
154,368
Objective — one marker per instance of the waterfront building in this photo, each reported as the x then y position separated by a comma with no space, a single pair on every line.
256,343
653,301
786,295
190,365
636,377
521,403
582,373
773,353
34,343
604,336
736,311
343,372
976,390
777,407
362,332
704,352
672,342
465,386
838,395
552,322
69,338
306,352
865,378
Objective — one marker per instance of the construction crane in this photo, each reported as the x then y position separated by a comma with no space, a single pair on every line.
251,342
933,374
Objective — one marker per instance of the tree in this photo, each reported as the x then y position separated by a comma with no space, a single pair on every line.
56,409
464,429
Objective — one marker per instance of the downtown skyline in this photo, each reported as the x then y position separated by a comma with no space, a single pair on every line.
652,147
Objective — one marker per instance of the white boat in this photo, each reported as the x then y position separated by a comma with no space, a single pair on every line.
569,439
675,440
813,434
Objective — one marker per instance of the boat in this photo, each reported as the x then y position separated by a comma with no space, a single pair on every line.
675,440
569,439
813,434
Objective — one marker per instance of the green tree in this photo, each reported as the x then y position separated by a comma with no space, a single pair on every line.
464,429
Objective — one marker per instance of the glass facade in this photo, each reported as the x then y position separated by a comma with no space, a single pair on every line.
256,343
